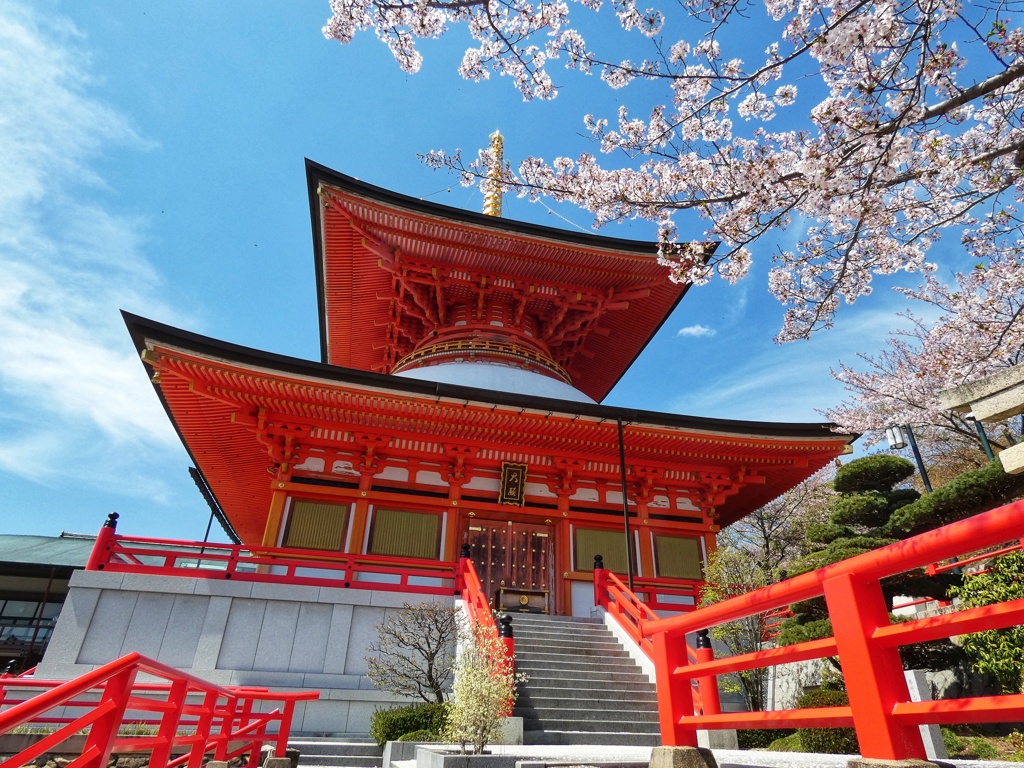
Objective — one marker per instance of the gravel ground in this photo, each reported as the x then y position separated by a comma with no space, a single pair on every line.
727,758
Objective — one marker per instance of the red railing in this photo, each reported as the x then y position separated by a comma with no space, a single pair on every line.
188,716
306,567
631,613
935,568
865,640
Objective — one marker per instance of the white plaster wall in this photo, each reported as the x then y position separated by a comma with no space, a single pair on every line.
233,633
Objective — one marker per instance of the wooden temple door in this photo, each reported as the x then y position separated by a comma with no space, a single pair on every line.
488,548
511,556
530,552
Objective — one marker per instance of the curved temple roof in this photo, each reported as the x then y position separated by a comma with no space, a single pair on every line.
241,412
397,276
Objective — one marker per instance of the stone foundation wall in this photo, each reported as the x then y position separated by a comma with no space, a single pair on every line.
233,633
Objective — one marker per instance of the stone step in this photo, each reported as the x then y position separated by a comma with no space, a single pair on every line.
337,753
600,726
616,738
548,618
615,701
555,717
545,685
340,761
564,645
603,673
583,656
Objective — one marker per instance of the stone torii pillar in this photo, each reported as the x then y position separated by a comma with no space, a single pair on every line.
994,398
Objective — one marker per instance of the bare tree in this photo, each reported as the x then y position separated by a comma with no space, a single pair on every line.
414,653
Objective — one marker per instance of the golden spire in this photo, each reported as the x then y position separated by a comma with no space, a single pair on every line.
492,187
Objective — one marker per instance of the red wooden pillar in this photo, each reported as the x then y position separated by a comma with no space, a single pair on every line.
675,699
874,675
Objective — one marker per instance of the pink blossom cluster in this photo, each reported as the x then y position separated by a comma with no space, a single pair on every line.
903,137
979,329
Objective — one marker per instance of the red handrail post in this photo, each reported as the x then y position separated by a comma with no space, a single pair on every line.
675,700
169,720
285,727
114,700
875,673
600,584
204,725
710,702
460,571
100,553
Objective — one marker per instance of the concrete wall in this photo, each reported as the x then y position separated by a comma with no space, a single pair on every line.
233,633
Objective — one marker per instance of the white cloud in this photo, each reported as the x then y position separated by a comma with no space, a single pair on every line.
74,400
696,331
791,382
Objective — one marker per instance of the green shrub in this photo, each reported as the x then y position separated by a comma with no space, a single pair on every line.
789,743
391,724
968,747
761,738
954,744
427,736
981,749
832,741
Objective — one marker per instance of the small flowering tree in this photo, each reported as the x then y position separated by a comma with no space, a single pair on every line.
873,128
484,690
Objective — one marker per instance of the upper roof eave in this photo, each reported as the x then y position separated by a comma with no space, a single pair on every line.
317,174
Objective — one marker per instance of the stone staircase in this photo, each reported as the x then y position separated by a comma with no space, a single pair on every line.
341,752
583,687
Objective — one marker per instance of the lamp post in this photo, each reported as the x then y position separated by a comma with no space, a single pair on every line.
901,436
982,436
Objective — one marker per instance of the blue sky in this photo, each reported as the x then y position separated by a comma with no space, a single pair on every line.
152,160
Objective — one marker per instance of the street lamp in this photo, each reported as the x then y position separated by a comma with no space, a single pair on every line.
900,437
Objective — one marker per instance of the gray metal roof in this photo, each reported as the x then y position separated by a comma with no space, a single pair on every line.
65,550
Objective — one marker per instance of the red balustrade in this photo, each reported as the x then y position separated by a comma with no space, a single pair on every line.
304,567
865,640
187,716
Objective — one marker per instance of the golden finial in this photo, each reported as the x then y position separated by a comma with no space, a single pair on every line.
492,186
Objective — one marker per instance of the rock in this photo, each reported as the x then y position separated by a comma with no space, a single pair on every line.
682,757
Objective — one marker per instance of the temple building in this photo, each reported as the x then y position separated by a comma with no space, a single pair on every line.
458,402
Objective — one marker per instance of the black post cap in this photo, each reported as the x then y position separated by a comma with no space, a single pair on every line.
703,641
465,551
598,562
505,625
111,520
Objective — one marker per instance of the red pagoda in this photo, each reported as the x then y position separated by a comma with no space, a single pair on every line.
464,359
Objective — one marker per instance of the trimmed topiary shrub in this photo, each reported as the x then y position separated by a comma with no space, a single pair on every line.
969,494
761,738
391,724
789,743
420,736
831,741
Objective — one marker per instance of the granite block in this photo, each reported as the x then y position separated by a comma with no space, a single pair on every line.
276,636
241,635
309,649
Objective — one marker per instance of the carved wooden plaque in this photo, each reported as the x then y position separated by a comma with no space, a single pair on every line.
513,484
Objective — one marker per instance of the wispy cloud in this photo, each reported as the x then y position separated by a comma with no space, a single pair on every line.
75,400
696,331
791,382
